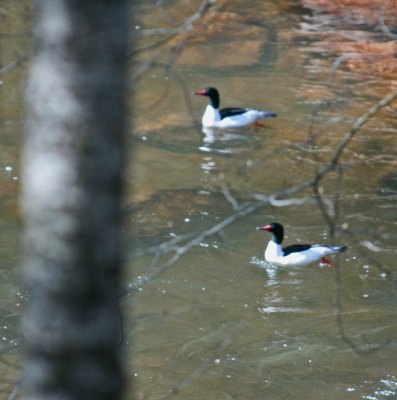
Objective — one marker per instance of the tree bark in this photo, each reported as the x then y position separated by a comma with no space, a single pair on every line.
71,195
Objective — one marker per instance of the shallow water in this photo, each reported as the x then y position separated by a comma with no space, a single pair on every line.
220,323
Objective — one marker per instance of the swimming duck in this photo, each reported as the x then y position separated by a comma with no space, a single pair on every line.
297,254
231,117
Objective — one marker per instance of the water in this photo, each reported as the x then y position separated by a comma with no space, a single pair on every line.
220,323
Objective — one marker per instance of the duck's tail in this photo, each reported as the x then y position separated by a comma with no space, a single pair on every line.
267,114
338,249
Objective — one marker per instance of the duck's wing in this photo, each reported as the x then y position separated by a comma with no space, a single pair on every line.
231,111
296,248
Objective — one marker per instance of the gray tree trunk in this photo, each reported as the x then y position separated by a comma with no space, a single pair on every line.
71,194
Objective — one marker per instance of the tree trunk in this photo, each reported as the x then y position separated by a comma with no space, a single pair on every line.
71,196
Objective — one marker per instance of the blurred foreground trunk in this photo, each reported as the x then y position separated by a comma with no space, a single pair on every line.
71,194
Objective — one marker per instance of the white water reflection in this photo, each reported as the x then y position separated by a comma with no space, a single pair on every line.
271,270
274,302
277,310
229,141
208,165
386,389
212,135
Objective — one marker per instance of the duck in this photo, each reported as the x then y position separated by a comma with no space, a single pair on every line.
231,117
296,254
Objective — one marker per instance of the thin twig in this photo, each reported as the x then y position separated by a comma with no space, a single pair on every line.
226,192
386,30
331,215
165,247
139,283
186,27
385,101
13,395
205,365
13,64
187,97
335,66
339,318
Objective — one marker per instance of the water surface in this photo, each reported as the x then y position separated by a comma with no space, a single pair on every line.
220,323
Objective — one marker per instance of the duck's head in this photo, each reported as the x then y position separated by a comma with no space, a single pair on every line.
212,93
276,229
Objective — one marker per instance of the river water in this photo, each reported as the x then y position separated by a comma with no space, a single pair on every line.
217,322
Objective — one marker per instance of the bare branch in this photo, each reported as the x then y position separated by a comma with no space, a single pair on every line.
385,101
185,28
274,201
187,97
386,30
369,348
335,66
13,64
330,212
370,246
205,365
13,395
226,192
139,283
154,32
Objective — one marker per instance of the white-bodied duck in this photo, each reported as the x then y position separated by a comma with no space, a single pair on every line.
297,254
231,117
